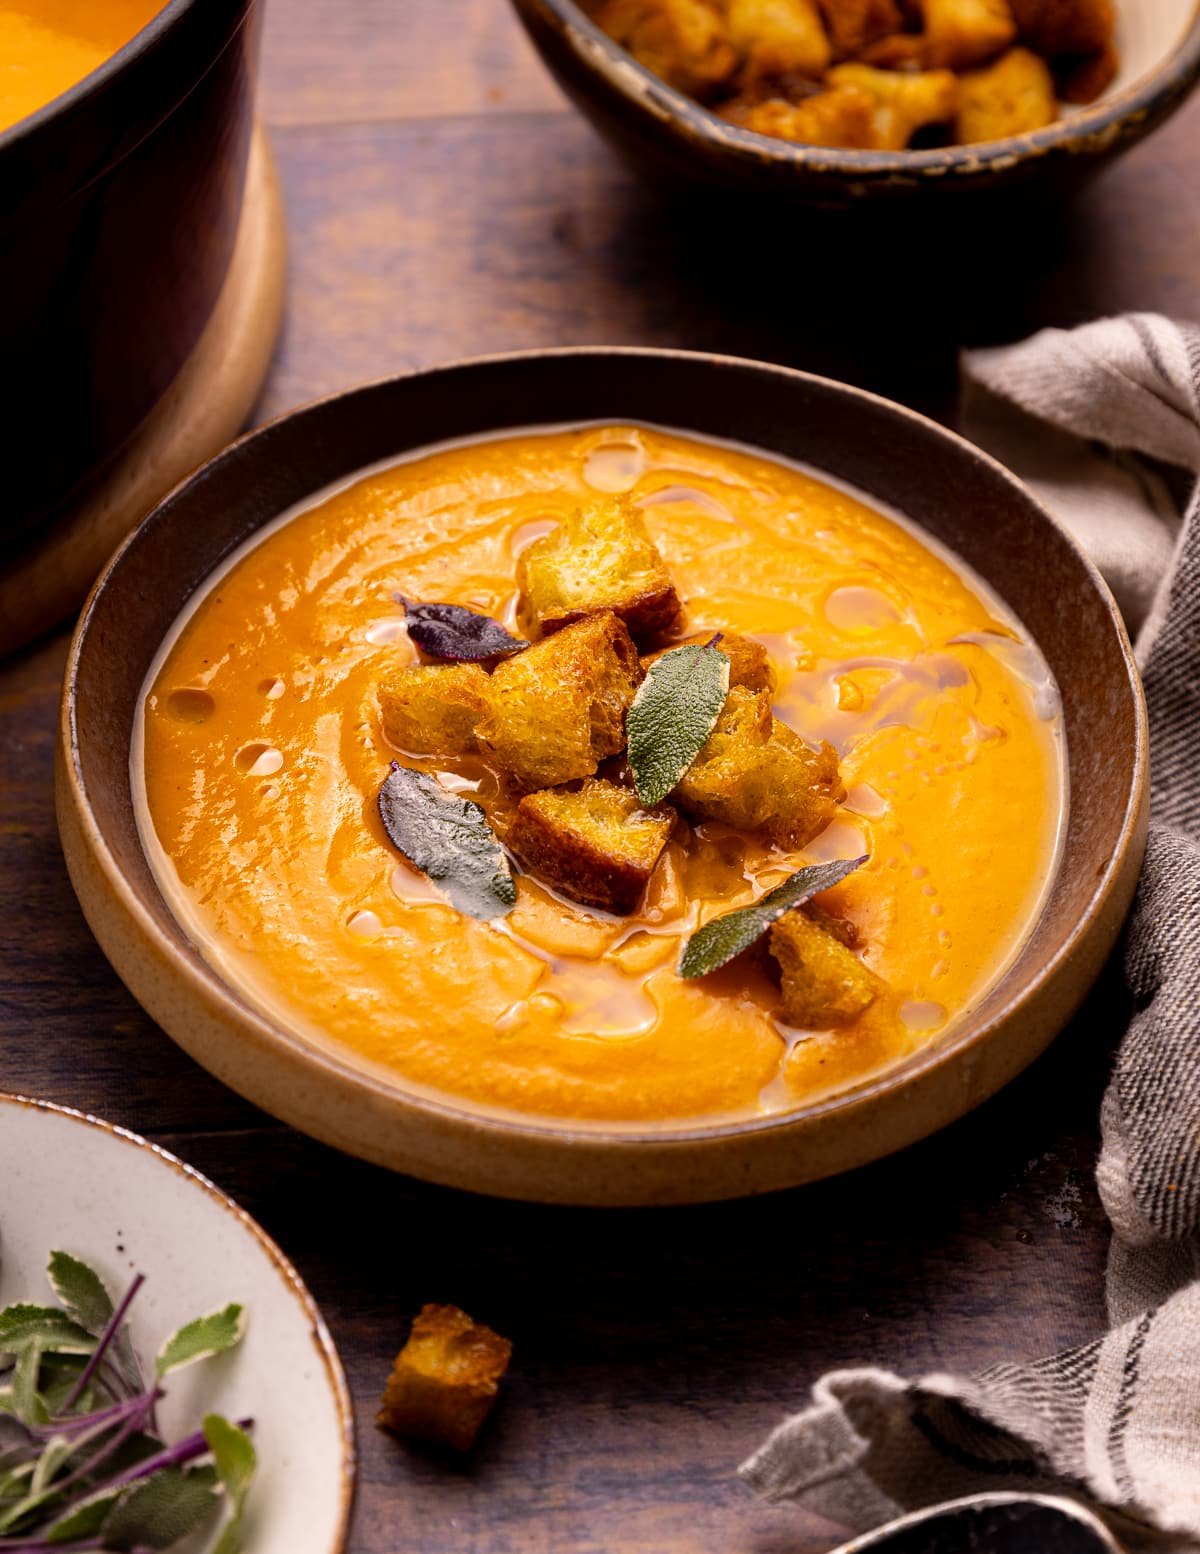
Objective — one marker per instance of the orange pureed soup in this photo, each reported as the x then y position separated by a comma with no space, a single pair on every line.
261,755
46,46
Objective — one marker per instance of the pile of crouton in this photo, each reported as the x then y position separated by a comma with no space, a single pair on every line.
881,75
600,601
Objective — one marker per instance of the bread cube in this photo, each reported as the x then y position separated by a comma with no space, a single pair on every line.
903,103
853,24
1011,97
433,709
749,664
601,558
597,845
898,51
685,42
445,1380
558,709
1081,78
845,117
1065,26
824,983
778,38
962,33
757,774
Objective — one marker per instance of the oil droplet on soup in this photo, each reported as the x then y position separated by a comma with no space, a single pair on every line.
920,679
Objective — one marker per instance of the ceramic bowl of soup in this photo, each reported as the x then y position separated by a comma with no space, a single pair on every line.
924,686
667,134
124,132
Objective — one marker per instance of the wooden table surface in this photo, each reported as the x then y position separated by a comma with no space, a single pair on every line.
443,201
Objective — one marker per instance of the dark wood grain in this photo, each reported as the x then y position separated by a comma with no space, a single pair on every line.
442,205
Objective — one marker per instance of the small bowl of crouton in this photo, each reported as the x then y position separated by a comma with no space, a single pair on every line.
838,103
605,776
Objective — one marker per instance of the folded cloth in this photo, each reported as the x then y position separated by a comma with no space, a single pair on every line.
1117,1421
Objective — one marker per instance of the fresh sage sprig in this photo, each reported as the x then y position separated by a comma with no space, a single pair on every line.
448,838
82,1464
716,944
453,632
675,710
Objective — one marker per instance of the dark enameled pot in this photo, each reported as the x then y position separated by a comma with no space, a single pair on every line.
119,204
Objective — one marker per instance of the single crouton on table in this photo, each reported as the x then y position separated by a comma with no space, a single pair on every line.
1055,27
904,103
597,845
558,709
445,1380
601,558
778,38
844,117
1011,97
433,709
759,775
685,42
824,982
749,663
962,33
854,24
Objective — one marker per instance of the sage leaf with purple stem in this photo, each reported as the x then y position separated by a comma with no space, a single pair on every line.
675,710
722,938
81,1463
448,838
453,632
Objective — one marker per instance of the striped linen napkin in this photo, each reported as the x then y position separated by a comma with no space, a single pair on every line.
1088,418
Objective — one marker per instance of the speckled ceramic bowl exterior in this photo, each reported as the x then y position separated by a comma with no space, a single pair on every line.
676,142
944,484
76,1184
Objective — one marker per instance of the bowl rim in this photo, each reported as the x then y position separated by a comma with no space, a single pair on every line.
206,985
650,94
321,1336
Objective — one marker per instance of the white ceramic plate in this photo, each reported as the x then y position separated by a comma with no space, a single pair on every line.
122,1204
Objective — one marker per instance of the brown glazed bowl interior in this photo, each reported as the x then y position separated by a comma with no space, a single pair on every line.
957,493
676,142
119,204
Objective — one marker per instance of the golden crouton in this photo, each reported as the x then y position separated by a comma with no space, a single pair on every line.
445,1380
1084,77
1065,26
557,709
433,709
903,103
685,42
844,117
778,38
962,33
853,24
757,774
601,558
1011,97
824,982
749,664
898,51
598,845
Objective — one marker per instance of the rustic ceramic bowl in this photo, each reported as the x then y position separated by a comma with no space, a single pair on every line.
119,205
75,1184
950,488
675,141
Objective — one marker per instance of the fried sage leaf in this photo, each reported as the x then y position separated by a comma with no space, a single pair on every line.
453,632
448,839
675,710
716,944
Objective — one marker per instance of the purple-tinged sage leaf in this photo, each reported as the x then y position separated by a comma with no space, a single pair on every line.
452,632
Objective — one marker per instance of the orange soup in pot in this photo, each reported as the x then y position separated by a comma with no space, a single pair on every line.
927,722
47,46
